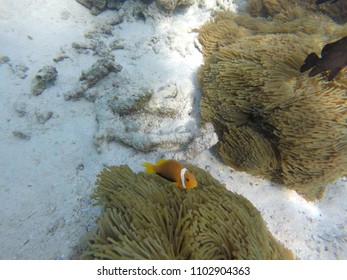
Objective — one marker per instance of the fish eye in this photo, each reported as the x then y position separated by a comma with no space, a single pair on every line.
187,179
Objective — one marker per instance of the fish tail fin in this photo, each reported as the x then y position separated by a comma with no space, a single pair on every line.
149,167
310,61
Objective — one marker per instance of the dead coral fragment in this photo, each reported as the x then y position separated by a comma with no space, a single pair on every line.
43,79
4,59
334,58
146,218
271,120
98,71
97,6
169,6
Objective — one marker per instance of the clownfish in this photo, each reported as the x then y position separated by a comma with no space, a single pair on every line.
173,171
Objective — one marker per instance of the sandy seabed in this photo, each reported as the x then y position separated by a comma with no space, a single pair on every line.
52,148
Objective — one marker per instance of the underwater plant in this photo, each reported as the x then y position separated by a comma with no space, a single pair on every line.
145,217
272,120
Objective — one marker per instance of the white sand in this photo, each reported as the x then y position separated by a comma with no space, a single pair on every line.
46,180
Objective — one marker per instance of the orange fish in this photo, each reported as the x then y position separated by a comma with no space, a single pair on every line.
173,171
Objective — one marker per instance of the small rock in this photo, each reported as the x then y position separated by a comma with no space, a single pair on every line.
119,17
60,58
86,3
21,108
167,5
42,118
84,48
21,134
4,59
114,4
43,79
97,6
116,45
123,104
170,5
80,167
102,29
99,70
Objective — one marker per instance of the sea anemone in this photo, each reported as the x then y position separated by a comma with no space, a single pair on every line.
289,9
147,217
272,120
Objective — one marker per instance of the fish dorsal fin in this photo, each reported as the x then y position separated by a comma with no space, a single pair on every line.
183,172
161,161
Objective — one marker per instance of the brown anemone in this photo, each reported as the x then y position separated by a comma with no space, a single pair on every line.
272,120
147,217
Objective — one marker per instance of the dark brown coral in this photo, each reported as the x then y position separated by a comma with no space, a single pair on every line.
334,58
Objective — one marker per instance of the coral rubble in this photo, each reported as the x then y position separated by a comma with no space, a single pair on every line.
4,59
98,71
272,120
43,79
140,119
143,119
145,217
135,107
97,6
170,5
167,6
